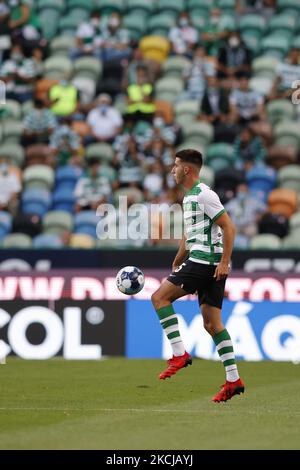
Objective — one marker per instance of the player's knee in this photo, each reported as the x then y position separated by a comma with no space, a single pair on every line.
156,299
208,326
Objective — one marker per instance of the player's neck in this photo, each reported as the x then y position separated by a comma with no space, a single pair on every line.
189,183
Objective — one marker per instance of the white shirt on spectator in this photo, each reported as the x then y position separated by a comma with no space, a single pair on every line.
246,102
9,185
105,124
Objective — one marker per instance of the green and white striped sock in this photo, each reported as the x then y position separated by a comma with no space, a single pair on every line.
225,349
169,322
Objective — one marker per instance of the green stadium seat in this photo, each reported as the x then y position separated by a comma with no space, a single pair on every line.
55,67
136,25
61,45
207,176
296,42
102,151
288,6
252,23
265,66
275,46
17,241
134,193
199,20
79,7
14,152
295,225
287,133
219,156
201,7
39,176
109,6
49,18
12,131
252,41
262,85
169,84
281,24
200,133
82,241
11,109
140,6
58,222
265,241
175,66
291,242
278,110
88,67
186,110
159,25
167,6
289,177
58,5
27,107
227,6
68,25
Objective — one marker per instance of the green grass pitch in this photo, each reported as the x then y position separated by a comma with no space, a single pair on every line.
118,404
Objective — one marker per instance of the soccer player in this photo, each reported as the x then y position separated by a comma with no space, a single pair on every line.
201,265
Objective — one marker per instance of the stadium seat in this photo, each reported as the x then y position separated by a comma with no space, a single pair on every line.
252,23
136,23
82,241
102,151
17,241
200,133
219,156
63,200
277,224
175,66
40,154
5,224
47,241
36,201
12,109
81,128
207,176
186,110
134,193
49,14
295,225
57,222
12,131
169,85
288,6
61,45
265,241
262,85
160,24
79,7
169,6
86,222
109,6
265,66
283,25
289,177
14,152
86,87
68,25
279,110
38,176
66,177
154,48
165,109
140,6
275,46
291,242
88,67
288,133
200,7
261,179
56,67
279,156
283,201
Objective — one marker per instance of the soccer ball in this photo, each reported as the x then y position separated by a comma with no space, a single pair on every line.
130,280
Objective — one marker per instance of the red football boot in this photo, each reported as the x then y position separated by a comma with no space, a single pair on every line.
176,363
228,390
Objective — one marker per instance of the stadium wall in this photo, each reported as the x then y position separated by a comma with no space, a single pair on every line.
80,314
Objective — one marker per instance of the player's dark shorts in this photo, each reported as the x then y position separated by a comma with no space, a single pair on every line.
197,277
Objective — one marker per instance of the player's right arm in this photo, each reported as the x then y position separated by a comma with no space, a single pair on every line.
181,254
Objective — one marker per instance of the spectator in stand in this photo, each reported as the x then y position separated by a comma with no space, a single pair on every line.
63,98
169,134
195,74
288,72
19,74
248,150
114,40
265,8
140,104
5,40
245,211
88,37
128,162
38,124
233,57
93,188
105,121
246,105
10,186
214,32
25,25
65,142
183,36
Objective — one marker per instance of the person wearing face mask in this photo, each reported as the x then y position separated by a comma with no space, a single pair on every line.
5,40
10,186
104,120
19,73
183,36
88,36
233,57
245,212
214,32
114,40
63,98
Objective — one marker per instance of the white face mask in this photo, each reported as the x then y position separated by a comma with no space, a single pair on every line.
183,22
95,22
214,19
114,22
158,122
234,42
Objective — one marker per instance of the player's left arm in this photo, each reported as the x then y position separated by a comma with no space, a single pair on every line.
226,224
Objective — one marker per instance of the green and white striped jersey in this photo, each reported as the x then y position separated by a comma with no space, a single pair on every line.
201,207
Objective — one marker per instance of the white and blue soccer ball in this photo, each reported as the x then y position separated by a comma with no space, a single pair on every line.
130,280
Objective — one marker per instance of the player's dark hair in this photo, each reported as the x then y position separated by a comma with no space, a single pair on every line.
190,156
